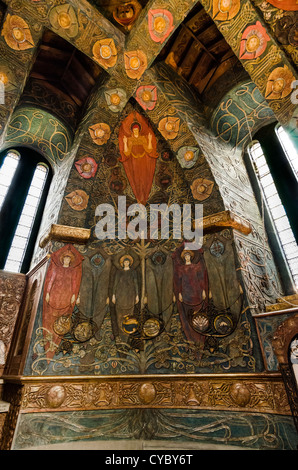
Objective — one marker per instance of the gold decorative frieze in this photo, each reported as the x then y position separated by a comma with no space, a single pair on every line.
250,392
226,219
65,233
283,303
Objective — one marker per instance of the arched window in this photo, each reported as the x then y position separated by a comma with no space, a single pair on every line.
24,182
272,164
288,148
276,208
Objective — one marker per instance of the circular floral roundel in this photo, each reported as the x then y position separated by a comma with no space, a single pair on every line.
78,200
86,167
16,33
224,10
63,20
100,133
116,99
253,42
135,63
160,23
146,96
279,83
169,127
201,188
105,52
187,156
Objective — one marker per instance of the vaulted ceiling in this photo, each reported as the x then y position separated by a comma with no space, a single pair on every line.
197,51
196,47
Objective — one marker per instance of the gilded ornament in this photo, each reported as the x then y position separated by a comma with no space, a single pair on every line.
200,322
100,133
135,63
55,396
160,24
65,233
62,325
105,53
147,393
223,325
201,188
129,325
151,327
240,394
169,127
252,394
83,331
17,33
279,83
64,21
78,200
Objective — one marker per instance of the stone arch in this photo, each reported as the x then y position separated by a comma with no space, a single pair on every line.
241,112
40,130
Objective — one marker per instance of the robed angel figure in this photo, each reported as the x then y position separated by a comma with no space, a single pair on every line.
137,144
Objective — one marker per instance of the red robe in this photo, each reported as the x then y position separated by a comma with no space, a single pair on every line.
140,161
190,280
61,283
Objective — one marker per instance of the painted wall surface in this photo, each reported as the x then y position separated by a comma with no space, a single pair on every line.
147,306
192,429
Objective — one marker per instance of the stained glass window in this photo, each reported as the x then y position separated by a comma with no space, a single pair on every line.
276,208
24,228
24,182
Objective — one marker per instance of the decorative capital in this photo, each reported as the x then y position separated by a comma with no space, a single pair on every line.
226,219
65,233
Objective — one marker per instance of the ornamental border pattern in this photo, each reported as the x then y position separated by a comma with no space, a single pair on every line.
251,392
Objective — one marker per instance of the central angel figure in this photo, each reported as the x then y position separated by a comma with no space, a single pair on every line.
137,144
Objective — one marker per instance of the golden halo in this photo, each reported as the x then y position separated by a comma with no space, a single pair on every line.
136,123
124,257
184,252
69,254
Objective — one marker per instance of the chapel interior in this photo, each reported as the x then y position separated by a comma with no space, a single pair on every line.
126,129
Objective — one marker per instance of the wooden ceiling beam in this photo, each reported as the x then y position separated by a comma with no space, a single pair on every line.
199,42
54,52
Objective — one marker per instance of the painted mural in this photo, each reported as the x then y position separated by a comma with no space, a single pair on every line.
144,305
105,329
